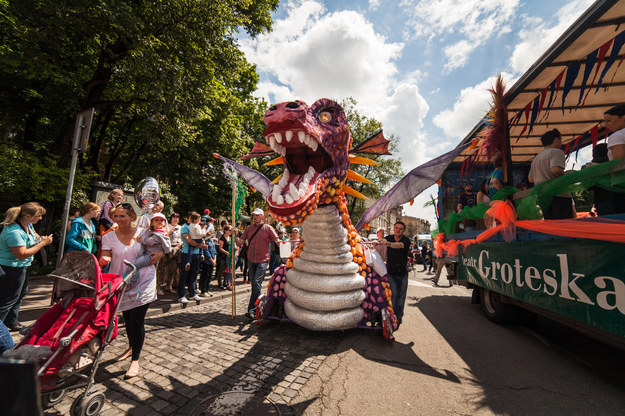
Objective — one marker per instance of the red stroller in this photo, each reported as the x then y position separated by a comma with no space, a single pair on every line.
82,322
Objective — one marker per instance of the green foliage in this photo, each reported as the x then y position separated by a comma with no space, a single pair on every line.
167,79
384,175
35,178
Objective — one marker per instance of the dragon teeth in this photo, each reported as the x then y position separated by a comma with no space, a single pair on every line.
288,135
301,136
278,137
276,192
293,192
280,200
288,199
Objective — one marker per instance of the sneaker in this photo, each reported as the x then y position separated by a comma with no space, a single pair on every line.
187,266
15,327
249,315
202,294
197,298
183,300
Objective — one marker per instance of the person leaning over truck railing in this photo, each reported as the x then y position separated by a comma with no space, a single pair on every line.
615,122
495,179
549,164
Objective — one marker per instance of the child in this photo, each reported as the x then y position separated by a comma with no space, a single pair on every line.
153,240
197,234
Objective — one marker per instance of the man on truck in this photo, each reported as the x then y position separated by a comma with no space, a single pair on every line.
549,164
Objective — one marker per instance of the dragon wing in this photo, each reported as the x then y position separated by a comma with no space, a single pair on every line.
254,178
411,185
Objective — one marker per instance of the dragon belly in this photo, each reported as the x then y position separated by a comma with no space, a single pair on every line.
324,290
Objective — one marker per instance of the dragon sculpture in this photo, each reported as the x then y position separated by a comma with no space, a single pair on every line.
326,283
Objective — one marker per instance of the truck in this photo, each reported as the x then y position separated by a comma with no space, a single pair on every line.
569,272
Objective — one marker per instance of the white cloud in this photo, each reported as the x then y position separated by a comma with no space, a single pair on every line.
332,55
472,22
538,37
374,4
313,54
472,104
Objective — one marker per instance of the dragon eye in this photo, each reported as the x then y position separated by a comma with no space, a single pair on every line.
325,116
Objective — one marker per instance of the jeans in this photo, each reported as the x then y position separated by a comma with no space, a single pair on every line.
6,341
189,278
257,275
206,272
399,287
13,288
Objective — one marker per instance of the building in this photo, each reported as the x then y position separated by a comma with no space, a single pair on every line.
388,219
415,226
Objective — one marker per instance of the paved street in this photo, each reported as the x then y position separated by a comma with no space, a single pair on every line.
447,359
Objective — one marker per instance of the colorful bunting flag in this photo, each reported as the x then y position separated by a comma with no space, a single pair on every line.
591,58
571,74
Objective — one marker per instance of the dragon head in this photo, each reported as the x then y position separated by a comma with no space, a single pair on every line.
314,143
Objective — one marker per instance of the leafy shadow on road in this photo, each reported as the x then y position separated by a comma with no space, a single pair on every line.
209,356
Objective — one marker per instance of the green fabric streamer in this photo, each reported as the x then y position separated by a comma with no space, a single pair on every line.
539,197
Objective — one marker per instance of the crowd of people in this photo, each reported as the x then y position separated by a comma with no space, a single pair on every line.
169,258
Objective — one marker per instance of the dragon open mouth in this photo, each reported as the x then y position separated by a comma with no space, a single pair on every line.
304,160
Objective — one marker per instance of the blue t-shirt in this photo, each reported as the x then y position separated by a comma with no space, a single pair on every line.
497,173
185,246
14,236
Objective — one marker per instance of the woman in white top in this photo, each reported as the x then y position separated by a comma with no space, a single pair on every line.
615,122
120,245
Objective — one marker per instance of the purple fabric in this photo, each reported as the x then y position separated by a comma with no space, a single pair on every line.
411,185
253,178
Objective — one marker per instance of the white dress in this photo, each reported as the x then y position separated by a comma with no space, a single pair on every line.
146,286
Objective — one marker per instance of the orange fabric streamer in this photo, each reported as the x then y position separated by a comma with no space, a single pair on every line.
606,230
503,211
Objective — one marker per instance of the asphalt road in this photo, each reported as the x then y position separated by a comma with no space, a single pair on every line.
448,359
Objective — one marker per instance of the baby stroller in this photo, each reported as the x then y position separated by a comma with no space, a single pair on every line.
72,335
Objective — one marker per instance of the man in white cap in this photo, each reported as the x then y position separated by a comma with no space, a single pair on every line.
258,237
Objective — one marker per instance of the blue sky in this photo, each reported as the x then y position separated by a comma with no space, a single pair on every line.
421,67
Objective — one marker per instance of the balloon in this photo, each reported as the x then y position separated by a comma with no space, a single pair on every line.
147,194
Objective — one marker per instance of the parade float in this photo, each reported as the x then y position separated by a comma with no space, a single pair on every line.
326,284
567,270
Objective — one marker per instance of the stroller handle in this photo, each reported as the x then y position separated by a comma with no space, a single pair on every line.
133,271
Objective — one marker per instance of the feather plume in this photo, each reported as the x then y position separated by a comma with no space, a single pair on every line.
493,136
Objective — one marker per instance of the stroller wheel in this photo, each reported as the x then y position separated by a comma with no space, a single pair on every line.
87,406
50,399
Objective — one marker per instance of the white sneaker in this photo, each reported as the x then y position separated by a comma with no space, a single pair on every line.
196,298
183,300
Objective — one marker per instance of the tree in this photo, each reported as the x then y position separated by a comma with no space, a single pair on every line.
386,173
167,79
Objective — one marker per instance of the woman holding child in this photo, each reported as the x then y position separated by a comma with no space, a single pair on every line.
120,245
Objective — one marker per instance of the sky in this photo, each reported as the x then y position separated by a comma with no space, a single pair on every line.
421,67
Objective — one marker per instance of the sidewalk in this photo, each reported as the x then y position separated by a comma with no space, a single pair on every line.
37,300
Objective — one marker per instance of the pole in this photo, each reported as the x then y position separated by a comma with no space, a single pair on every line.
83,125
233,250
68,194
